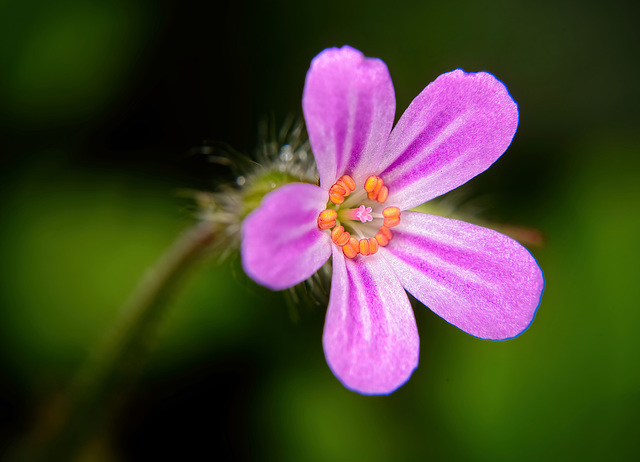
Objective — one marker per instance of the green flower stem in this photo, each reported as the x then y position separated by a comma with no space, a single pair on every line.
113,368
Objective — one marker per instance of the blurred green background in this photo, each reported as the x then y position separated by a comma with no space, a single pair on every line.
101,103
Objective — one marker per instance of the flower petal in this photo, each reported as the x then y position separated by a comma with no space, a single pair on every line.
349,105
455,129
370,336
281,242
477,279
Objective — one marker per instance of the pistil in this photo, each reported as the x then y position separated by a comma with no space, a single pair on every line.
362,213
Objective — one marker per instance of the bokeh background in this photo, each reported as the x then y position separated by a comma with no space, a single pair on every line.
101,105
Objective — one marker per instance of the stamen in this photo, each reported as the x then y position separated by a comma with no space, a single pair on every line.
383,236
381,239
336,188
391,216
368,246
351,249
364,247
349,182
371,183
386,232
337,193
375,188
336,233
335,197
339,236
383,194
341,188
373,245
391,222
344,239
378,187
343,185
327,219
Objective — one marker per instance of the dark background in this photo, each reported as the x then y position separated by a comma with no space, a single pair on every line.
101,103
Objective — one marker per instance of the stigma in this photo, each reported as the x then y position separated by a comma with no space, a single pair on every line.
357,219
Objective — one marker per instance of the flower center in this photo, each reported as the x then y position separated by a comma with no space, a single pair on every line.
361,214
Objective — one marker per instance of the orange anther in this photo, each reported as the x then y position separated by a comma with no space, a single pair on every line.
339,236
344,239
328,225
391,212
373,245
349,182
328,215
373,186
383,236
351,249
383,194
335,197
391,216
344,186
381,239
371,183
391,222
327,219
386,232
364,246
378,187
336,188
348,251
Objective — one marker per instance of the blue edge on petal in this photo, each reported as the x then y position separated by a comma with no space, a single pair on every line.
544,282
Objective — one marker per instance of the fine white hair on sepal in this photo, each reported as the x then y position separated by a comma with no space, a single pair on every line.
287,150
283,155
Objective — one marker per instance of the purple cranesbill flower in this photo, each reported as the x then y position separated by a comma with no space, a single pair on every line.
477,279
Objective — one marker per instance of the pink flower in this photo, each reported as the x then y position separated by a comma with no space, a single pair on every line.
480,281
